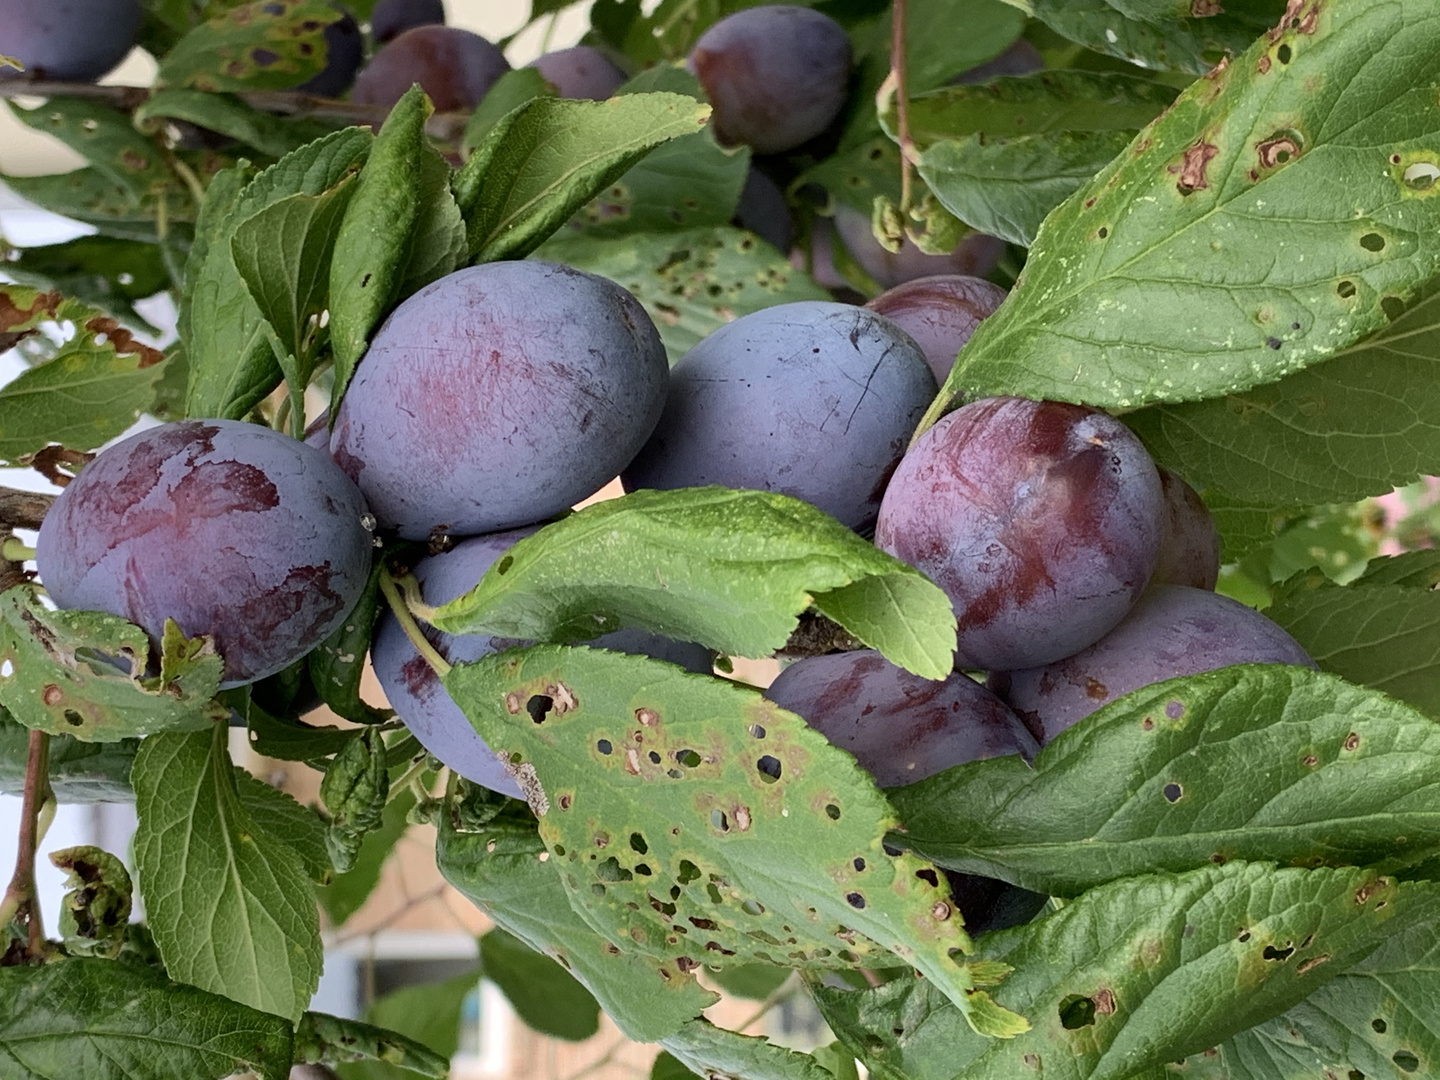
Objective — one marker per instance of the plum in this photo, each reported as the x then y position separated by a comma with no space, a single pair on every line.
975,256
763,210
454,67
70,40
1174,630
344,52
231,529
940,313
1189,541
812,399
1041,520
900,727
415,691
581,72
391,18
499,396
1021,58
777,75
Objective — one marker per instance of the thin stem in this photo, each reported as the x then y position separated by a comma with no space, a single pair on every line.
782,993
902,102
282,414
15,551
403,784
20,900
408,624
549,32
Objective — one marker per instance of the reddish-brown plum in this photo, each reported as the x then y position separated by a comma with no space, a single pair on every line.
68,40
581,72
1041,520
1189,541
900,727
777,75
811,399
499,396
974,256
421,700
391,18
940,312
1174,630
454,67
231,529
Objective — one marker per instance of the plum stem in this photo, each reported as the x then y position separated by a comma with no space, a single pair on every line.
20,900
902,102
15,551
407,623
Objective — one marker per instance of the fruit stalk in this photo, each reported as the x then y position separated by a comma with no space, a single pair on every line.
20,900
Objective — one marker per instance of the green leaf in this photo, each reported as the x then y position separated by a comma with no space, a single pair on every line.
337,664
82,673
100,270
509,92
855,176
767,840
90,196
109,142
265,45
224,114
691,282
401,231
504,868
331,1040
286,738
668,1067
95,911
232,366
1175,275
429,1014
1379,635
1145,970
728,569
94,388
753,981
80,772
227,902
355,790
1257,762
105,1020
545,996
550,158
347,892
281,818
707,1050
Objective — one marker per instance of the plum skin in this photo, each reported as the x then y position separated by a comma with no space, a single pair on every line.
900,727
777,75
940,312
233,530
1189,540
1174,630
499,396
1040,520
580,72
454,67
812,399
391,18
72,40
415,691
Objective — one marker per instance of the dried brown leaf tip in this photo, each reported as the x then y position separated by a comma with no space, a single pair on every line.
123,341
12,315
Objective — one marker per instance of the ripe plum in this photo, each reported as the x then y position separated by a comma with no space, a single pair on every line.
69,40
777,75
415,691
975,256
1174,630
1189,541
762,209
454,67
900,727
940,313
581,72
813,399
231,529
1022,58
498,396
1041,520
391,18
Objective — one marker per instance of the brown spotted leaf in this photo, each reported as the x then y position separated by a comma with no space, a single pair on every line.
265,45
700,824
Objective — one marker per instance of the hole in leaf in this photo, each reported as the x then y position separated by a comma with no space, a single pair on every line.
538,706
1172,792
74,719
1244,935
688,872
1392,306
855,900
753,907
689,758
1102,232
1345,289
503,566
1421,176
611,870
1372,241
718,820
675,774
859,864
642,868
756,731
637,843
715,897
604,746
929,875
769,767
1076,1012
893,852
832,811
654,757
1355,1074
560,850
1379,1025
1283,54
1405,1060
1272,953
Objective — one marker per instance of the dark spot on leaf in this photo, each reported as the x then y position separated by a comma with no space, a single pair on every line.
832,811
1102,232
1352,741
654,757
1273,342
1172,792
73,718
1076,1012
566,801
1310,761
859,864
1244,935
263,57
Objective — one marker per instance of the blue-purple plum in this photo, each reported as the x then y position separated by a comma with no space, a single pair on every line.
1174,630
391,18
974,256
67,40
581,72
233,530
900,727
420,699
763,210
1189,540
499,396
940,313
1021,58
1041,520
454,67
811,399
344,52
776,75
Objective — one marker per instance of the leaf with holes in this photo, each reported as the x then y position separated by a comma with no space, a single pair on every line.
264,45
690,282
728,569
227,115
90,196
333,1040
1258,761
1176,274
83,674
698,821
103,271
504,868
80,772
707,1050
109,142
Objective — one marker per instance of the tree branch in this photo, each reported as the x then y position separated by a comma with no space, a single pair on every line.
20,901
23,509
